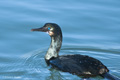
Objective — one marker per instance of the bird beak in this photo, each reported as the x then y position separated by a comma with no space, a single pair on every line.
42,29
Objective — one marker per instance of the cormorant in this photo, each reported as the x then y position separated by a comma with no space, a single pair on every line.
81,65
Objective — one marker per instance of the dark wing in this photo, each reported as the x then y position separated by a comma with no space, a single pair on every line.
79,64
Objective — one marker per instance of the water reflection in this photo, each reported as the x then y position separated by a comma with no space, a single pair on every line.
55,75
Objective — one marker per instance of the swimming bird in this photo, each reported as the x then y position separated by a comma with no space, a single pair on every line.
81,65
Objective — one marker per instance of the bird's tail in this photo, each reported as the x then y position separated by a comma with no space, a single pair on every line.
110,77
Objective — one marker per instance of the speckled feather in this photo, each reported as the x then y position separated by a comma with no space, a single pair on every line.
80,65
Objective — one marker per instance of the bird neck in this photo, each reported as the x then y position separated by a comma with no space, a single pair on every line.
54,48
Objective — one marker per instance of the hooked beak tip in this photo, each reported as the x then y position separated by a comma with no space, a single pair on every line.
32,30
35,29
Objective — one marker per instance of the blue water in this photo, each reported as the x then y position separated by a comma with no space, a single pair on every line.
90,27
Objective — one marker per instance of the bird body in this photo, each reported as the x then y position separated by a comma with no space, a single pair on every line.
80,65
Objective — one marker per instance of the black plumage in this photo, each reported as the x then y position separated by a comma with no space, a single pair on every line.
80,65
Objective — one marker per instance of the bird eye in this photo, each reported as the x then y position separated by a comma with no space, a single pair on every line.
48,28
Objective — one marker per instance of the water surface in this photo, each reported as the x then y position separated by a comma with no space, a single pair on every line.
89,28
